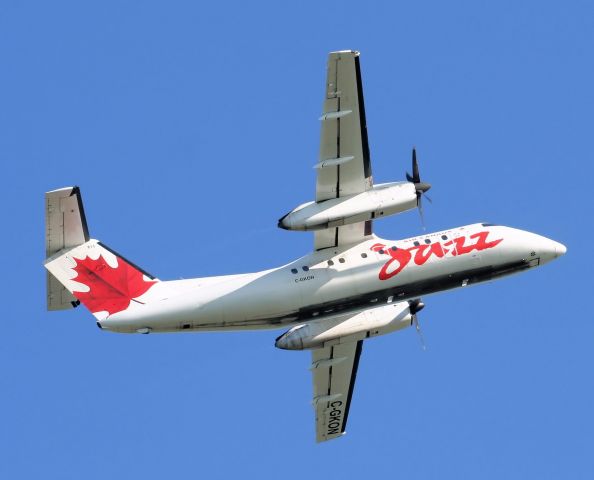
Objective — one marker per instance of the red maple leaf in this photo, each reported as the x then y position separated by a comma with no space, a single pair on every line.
111,289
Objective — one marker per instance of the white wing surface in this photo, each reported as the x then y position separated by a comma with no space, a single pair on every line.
334,371
344,166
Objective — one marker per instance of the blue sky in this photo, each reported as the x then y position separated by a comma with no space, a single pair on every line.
191,128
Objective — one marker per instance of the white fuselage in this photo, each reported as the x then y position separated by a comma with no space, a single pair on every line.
336,280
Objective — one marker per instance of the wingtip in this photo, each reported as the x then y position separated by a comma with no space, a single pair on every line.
355,53
64,191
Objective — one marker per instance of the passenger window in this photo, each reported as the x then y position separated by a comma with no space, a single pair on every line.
381,252
444,237
427,241
341,260
330,263
364,255
416,244
294,270
394,248
305,269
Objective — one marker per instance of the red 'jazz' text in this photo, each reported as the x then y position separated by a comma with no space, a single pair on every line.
401,257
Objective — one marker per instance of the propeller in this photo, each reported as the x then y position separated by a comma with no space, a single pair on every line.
420,187
414,307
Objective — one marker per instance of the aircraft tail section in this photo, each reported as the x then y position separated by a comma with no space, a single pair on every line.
83,270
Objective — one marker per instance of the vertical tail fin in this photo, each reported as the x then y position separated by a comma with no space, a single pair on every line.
83,270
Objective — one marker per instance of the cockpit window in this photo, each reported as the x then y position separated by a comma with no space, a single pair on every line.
488,225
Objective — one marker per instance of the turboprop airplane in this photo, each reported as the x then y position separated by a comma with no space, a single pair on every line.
352,287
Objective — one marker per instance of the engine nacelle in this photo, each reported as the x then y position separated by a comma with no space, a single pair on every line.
347,327
380,201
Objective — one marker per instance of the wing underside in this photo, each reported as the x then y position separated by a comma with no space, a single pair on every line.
344,166
334,372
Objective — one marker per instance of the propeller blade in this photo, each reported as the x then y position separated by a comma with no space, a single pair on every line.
418,329
416,178
420,206
416,305
420,187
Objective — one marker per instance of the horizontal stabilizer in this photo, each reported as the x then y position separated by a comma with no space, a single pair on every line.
65,227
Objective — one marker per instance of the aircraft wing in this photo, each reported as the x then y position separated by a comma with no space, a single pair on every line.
344,166
334,372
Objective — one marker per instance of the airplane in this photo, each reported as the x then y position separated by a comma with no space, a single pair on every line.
351,287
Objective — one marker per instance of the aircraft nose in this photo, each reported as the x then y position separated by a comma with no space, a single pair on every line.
546,249
560,249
